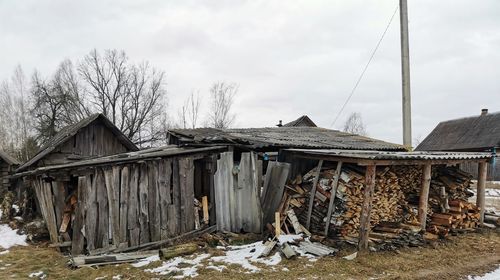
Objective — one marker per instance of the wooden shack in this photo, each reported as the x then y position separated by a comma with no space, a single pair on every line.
7,166
367,171
95,136
124,200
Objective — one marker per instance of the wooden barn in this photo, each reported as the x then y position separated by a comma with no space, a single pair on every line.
7,166
94,136
125,200
479,133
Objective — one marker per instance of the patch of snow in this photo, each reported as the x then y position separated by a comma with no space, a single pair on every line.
285,269
39,274
117,277
4,252
10,237
146,261
173,267
244,255
219,268
289,238
16,208
101,277
494,275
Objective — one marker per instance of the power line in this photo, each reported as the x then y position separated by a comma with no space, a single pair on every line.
366,67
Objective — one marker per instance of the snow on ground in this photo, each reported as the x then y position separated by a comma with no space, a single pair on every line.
39,275
494,275
245,256
180,267
9,237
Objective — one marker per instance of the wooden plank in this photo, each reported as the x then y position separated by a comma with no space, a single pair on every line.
112,180
143,204
124,199
174,211
59,194
78,238
247,207
223,182
313,194
204,204
272,192
186,184
164,182
364,223
481,183
43,192
424,195
333,193
91,214
277,224
133,206
154,201
102,240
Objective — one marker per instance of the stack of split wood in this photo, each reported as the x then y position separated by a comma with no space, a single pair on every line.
461,215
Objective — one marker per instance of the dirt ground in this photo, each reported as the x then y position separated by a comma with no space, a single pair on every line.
459,256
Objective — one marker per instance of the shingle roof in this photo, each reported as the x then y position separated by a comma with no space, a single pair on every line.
70,130
283,137
478,132
302,121
8,159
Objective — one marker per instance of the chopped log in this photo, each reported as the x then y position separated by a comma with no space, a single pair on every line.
179,250
492,219
269,246
82,261
294,221
287,251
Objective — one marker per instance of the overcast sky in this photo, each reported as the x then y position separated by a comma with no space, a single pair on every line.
289,58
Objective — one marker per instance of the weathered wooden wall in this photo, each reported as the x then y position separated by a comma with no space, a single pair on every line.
91,141
122,205
5,171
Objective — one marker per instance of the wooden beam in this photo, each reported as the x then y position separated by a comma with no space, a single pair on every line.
364,223
481,182
333,192
424,195
313,193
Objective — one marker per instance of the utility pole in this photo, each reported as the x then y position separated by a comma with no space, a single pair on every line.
405,69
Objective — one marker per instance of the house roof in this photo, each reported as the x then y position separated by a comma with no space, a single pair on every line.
282,137
471,133
302,121
8,159
69,131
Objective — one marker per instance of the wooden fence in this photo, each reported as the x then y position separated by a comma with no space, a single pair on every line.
119,206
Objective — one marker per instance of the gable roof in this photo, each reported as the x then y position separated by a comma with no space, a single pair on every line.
71,130
478,132
8,159
282,137
302,121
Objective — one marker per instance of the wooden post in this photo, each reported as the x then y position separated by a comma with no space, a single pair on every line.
313,193
204,203
424,195
481,182
333,192
364,223
277,224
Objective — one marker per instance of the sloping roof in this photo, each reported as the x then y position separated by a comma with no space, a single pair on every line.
302,121
379,155
8,159
478,132
152,153
283,137
69,131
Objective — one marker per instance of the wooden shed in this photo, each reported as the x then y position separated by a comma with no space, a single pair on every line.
373,163
94,136
7,165
123,200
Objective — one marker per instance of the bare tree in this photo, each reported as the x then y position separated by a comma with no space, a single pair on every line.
222,98
354,124
131,96
189,113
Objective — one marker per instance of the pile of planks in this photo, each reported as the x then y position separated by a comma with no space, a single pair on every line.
461,215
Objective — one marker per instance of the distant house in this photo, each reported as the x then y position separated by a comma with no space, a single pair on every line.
471,134
7,165
302,121
91,137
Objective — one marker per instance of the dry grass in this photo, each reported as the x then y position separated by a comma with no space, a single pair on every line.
458,257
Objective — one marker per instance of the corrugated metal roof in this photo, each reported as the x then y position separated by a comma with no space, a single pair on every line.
381,155
283,137
478,132
70,130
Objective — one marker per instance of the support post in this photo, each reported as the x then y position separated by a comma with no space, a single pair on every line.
481,182
405,70
364,227
333,192
424,195
313,193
